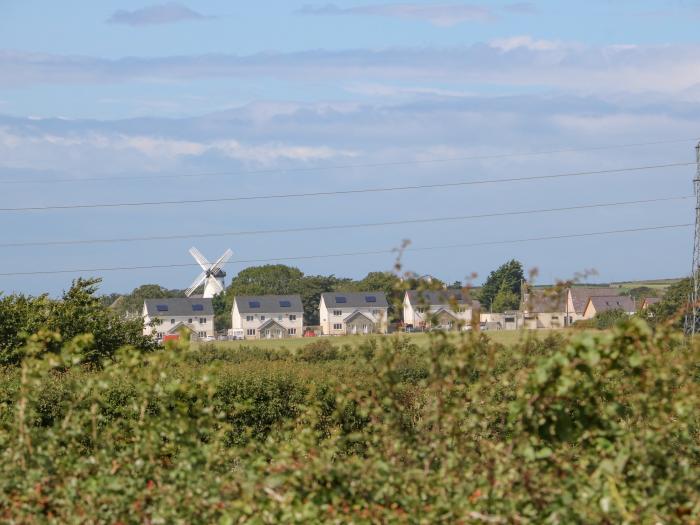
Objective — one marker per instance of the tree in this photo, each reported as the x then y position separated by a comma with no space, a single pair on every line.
132,303
673,305
78,312
508,277
505,299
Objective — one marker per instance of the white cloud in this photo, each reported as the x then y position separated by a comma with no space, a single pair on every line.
167,13
516,61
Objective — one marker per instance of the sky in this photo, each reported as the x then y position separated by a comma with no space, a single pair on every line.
132,101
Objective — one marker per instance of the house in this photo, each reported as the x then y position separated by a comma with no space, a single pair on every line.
600,304
167,317
649,301
267,316
544,309
444,309
344,313
578,296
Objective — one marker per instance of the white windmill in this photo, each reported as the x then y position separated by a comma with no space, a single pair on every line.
212,277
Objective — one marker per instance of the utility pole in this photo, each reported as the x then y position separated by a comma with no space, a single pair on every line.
692,315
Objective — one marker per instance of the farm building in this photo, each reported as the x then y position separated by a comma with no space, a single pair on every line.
267,316
167,317
344,313
600,304
444,309
649,301
544,309
509,320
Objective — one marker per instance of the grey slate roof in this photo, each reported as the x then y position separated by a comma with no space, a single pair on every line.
613,302
542,301
355,300
441,297
179,306
355,315
581,294
269,304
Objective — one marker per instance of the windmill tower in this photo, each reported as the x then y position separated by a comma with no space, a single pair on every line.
212,275
692,316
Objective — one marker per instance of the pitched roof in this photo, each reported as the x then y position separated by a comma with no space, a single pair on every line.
581,294
355,300
612,302
179,306
543,301
268,304
356,314
648,301
269,323
441,297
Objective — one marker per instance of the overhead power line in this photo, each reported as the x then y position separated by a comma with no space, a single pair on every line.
337,227
369,165
359,253
342,192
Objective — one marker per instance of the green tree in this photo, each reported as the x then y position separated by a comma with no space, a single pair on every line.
132,303
507,277
506,299
673,305
79,311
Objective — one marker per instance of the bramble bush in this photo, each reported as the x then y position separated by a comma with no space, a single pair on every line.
601,427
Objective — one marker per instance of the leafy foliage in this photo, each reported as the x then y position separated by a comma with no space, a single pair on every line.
672,307
78,312
599,428
503,284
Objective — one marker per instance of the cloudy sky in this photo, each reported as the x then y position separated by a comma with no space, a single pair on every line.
129,101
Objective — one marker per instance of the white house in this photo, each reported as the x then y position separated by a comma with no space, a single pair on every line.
544,309
171,315
577,300
344,313
445,309
267,316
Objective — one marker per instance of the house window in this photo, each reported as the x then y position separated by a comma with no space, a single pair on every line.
280,317
251,331
376,312
189,320
420,310
202,320
292,317
202,334
292,331
510,319
249,318
337,313
337,326
555,318
172,321
262,317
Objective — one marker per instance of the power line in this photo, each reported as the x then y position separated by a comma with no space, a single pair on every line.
342,192
337,227
345,166
361,253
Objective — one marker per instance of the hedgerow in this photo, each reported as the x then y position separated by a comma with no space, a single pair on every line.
599,428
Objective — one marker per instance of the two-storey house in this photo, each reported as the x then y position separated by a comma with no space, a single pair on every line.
267,316
443,309
344,313
164,317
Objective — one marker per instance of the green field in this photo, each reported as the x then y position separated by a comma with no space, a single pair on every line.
504,337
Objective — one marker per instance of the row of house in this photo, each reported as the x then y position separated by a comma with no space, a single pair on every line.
344,313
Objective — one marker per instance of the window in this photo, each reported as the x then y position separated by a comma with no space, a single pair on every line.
189,320
555,318
337,326
370,299
172,321
162,307
202,334
420,310
249,318
510,319
254,304
292,317
202,320
280,317
339,299
262,317
337,313
292,331
285,304
376,312
197,307
251,331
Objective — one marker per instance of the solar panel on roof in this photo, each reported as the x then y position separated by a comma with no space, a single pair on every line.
371,299
254,304
198,307
162,307
285,304
339,299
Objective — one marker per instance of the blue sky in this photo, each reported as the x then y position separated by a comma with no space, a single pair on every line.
118,89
